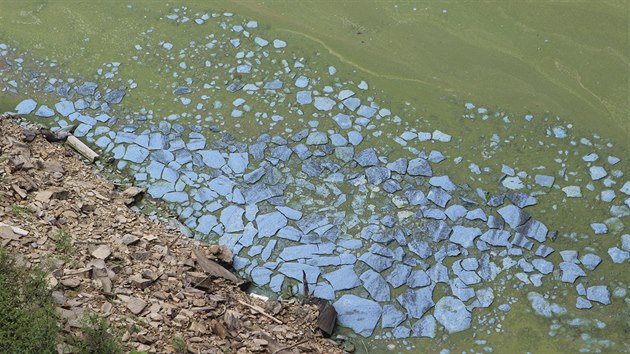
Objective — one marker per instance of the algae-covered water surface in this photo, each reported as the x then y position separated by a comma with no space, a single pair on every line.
451,175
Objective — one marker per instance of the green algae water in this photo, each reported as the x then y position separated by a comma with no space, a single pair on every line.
476,71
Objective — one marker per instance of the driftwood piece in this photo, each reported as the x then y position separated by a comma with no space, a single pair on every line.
289,346
83,149
260,311
214,269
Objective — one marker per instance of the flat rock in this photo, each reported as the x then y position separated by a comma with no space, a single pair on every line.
544,308
377,175
464,236
590,261
598,293
618,255
238,162
366,157
375,284
572,191
269,224
294,270
360,315
398,276
419,167
26,106
376,262
443,182
102,252
417,302
136,305
451,313
232,218
392,316
439,196
425,327
343,278
324,103
570,272
513,215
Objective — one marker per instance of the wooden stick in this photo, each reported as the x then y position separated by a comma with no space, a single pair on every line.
289,346
261,311
83,149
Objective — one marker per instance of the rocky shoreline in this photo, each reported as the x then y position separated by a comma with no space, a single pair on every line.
144,277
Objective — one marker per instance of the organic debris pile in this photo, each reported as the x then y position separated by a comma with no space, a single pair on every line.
162,291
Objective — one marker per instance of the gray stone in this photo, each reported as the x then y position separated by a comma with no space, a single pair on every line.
572,191
26,106
222,185
452,314
343,278
582,303
375,284
597,172
399,166
618,255
438,230
290,213
324,103
355,138
598,293
425,327
87,89
312,168
455,212
376,262
261,276
304,97
343,120
544,308
292,253
136,154
114,96
570,272
599,228
238,162
476,214
269,224
544,180
464,236
294,270
65,108
544,251
206,224
419,167
212,158
521,199
44,111
443,182
360,315
439,196
232,218
418,278
377,175
513,215
399,275
590,261
417,302
543,266
366,158
317,138
421,248
392,317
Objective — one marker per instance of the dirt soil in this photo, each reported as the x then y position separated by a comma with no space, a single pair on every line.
147,279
